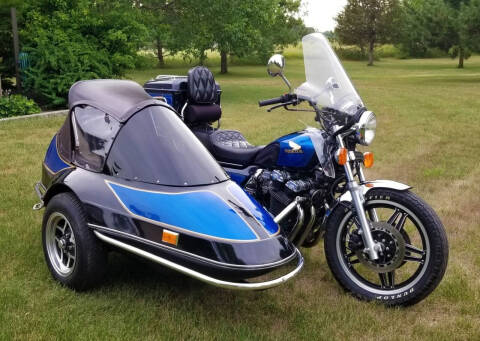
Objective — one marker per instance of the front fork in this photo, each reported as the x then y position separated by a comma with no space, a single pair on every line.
371,248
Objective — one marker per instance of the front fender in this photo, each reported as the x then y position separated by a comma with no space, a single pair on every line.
368,185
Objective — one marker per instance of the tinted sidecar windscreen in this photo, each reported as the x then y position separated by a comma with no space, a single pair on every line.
155,146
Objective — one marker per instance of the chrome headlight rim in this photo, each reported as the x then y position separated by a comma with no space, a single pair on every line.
366,128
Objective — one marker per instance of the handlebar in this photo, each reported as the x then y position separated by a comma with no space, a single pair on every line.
282,99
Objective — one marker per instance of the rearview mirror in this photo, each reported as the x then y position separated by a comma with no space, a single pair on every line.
275,65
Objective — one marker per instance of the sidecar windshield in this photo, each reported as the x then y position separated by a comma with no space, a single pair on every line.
155,146
327,85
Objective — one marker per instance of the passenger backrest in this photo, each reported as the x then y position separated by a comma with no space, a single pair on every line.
201,86
202,97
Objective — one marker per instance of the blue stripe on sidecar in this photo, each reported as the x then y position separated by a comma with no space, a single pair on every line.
52,159
254,207
199,212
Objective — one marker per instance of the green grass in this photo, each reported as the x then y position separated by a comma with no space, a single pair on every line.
428,137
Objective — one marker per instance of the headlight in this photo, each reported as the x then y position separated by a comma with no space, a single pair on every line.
366,127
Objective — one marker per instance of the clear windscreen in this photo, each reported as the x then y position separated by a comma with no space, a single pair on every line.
327,85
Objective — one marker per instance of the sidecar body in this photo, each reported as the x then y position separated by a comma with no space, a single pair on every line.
147,186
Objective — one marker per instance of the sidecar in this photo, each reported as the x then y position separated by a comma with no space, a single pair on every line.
124,172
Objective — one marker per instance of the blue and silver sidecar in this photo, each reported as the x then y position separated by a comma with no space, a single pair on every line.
124,171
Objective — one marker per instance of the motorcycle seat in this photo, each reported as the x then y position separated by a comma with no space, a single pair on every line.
231,146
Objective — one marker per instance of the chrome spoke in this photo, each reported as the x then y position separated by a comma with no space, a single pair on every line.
352,261
414,259
401,222
394,216
412,249
387,279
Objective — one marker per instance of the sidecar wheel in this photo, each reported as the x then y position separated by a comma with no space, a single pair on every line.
74,256
414,252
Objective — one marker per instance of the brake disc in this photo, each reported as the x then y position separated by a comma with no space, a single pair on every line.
392,252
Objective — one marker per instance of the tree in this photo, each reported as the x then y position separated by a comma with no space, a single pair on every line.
469,18
71,40
159,16
368,22
234,27
449,25
7,61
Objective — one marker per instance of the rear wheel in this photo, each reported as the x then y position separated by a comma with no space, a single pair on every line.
414,248
74,256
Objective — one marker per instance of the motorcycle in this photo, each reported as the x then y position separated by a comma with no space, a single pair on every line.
381,241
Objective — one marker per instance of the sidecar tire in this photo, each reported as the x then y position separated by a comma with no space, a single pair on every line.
74,256
435,268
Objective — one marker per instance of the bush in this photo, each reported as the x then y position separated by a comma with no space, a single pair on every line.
388,51
68,41
347,52
146,61
17,105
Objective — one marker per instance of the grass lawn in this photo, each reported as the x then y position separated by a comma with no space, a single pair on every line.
428,137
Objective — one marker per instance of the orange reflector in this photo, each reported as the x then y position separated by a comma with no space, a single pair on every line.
170,237
342,154
369,185
368,159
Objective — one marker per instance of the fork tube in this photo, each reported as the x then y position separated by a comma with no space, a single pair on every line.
358,199
361,176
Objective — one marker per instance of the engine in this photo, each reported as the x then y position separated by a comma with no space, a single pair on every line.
276,189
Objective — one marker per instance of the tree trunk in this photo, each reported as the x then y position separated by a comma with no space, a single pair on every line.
16,47
461,57
161,61
223,62
371,48
202,58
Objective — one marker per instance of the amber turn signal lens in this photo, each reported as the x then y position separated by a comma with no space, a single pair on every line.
368,159
342,156
170,237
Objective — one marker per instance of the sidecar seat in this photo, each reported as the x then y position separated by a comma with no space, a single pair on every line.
228,146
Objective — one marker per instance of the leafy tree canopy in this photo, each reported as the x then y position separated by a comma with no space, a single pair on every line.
368,22
70,40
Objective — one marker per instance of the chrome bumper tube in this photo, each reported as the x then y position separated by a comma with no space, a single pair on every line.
200,276
40,190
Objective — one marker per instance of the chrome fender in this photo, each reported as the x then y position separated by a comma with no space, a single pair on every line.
368,185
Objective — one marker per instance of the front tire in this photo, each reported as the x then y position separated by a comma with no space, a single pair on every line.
414,257
74,256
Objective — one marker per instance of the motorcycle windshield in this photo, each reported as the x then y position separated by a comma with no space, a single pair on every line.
327,85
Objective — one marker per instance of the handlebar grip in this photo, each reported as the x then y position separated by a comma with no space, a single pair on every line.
271,101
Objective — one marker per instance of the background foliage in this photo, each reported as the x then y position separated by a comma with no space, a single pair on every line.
68,40
16,105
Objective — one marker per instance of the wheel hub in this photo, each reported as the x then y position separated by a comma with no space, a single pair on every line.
392,248
62,244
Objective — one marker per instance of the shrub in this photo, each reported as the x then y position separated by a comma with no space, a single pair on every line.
146,61
68,41
17,105
388,51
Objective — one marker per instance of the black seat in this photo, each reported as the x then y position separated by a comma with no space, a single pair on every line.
228,146
231,146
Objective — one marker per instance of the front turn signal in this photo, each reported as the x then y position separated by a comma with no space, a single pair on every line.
368,159
342,156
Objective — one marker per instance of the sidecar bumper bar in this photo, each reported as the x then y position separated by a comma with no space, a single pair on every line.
200,276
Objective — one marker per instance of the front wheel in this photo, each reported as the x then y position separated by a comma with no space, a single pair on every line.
414,248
